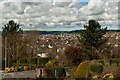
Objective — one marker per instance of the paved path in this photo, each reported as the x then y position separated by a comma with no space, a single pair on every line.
1,74
24,74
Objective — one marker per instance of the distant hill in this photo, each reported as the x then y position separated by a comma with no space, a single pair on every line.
62,32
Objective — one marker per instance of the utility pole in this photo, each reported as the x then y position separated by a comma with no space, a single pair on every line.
5,51
0,52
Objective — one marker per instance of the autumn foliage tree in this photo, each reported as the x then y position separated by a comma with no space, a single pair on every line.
74,55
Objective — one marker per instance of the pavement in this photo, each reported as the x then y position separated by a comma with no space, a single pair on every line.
1,74
24,74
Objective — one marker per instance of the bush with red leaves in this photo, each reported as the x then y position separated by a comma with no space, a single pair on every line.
74,55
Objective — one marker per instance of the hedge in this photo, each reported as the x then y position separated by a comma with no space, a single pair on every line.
3,64
32,61
22,60
11,62
42,61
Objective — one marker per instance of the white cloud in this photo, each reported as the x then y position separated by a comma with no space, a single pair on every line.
62,14
100,11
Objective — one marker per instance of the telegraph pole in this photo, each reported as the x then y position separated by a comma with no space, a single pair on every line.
0,52
5,51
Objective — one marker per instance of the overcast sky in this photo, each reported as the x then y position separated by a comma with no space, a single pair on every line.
57,15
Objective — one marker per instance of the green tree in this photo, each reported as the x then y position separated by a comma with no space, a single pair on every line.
92,41
13,34
11,27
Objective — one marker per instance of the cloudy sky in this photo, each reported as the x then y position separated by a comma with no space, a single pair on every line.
58,15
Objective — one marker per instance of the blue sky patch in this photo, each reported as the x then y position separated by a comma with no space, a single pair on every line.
84,3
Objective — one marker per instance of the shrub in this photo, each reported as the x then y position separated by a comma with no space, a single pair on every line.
96,68
22,68
42,61
96,77
110,76
114,61
60,72
7,69
32,61
25,68
12,69
113,68
48,71
82,71
16,68
33,66
102,62
67,69
51,63
3,64
74,55
70,70
11,62
22,60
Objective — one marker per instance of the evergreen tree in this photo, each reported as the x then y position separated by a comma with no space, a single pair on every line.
13,34
91,41
11,27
